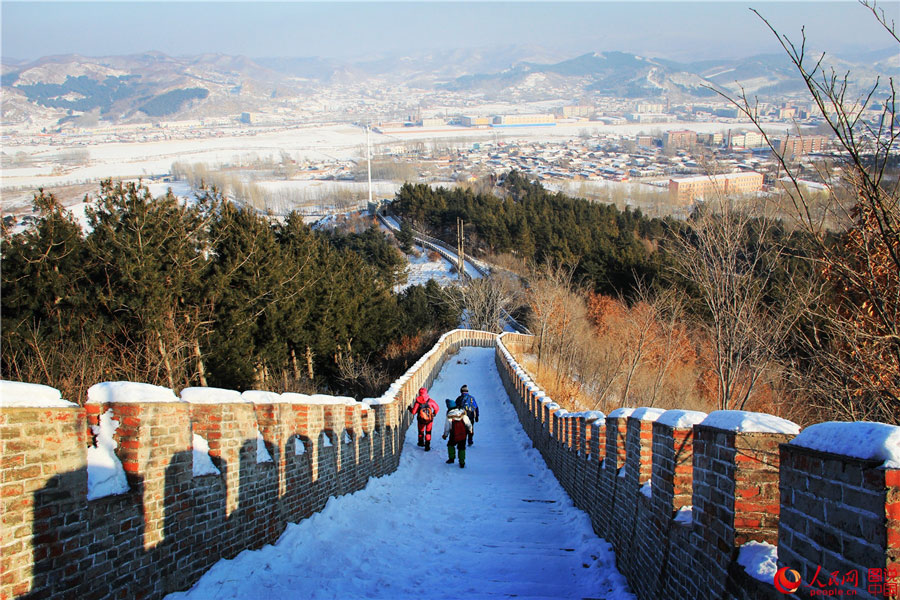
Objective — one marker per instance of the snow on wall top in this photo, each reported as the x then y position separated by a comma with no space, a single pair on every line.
593,415
647,414
863,439
261,397
681,418
749,422
621,413
210,395
31,395
129,391
760,560
379,400
323,399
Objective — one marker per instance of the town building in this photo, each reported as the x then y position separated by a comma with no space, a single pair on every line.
648,107
523,120
685,190
578,111
748,139
684,138
795,146
474,121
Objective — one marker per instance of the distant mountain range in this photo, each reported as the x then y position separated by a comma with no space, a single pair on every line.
152,86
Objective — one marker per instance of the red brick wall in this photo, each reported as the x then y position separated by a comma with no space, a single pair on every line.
164,533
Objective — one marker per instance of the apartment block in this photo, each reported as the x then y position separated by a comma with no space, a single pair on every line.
685,190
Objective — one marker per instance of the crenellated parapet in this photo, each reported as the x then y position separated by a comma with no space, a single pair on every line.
713,506
138,492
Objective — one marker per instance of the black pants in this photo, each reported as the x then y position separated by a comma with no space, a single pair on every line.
472,431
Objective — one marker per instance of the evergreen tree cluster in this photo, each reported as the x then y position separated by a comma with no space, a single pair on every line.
200,293
81,93
611,248
172,101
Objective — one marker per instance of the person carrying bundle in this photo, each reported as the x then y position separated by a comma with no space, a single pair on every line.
457,428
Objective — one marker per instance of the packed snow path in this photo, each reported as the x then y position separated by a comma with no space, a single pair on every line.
502,527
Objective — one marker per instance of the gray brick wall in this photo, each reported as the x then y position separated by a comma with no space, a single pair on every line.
827,511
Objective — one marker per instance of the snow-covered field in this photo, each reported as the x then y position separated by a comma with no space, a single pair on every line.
314,143
502,527
421,268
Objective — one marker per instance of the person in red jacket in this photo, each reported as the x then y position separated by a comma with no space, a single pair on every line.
425,409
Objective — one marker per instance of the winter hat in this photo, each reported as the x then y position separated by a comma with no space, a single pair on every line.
422,391
459,403
464,389
451,404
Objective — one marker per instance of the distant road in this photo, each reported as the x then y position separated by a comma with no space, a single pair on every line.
473,269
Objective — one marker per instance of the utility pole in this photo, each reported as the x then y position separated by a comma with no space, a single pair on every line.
460,248
369,164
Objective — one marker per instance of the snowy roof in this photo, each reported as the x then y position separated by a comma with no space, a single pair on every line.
210,395
863,439
749,422
621,413
31,395
647,414
681,418
129,391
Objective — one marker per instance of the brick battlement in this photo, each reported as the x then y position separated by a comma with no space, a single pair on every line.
826,513
171,525
635,477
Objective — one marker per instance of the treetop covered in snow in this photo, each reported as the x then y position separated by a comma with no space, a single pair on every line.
862,439
30,395
681,418
749,422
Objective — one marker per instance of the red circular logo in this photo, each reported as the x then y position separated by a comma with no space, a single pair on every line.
787,581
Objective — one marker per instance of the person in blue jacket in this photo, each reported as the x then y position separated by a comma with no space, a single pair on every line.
471,408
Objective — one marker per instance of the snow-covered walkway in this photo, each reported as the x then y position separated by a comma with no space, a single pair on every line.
502,527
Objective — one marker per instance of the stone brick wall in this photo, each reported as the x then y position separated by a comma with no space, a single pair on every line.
825,512
171,526
839,515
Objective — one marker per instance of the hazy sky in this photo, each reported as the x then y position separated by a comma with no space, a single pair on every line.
681,30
